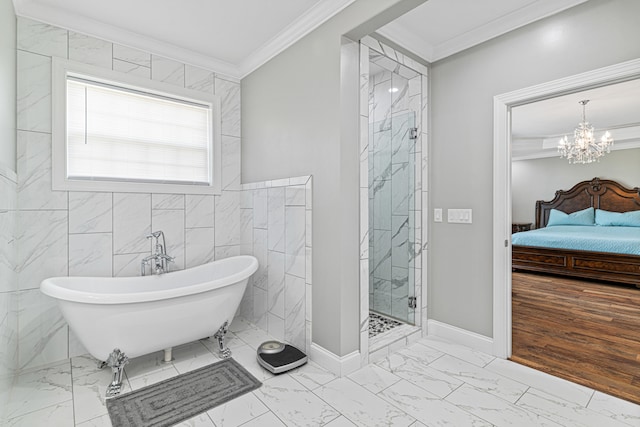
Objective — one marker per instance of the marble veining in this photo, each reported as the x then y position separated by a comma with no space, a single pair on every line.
90,212
90,254
229,93
198,79
33,91
167,70
131,55
71,392
44,39
90,50
42,246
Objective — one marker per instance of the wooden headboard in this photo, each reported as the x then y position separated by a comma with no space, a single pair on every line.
598,193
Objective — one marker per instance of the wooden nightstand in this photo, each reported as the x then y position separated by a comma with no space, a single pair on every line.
520,226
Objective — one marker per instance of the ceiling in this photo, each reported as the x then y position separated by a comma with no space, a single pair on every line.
236,37
537,127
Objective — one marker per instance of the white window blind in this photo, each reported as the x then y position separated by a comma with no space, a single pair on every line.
121,134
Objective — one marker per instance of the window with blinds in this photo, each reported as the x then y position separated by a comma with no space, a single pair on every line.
121,133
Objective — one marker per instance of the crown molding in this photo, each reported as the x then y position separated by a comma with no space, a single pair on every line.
502,25
306,23
309,21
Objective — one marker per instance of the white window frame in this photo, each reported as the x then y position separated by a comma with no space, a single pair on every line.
61,68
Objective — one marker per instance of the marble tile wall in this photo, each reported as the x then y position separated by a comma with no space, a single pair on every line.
276,219
8,278
90,233
381,69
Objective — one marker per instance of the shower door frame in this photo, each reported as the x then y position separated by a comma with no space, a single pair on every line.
367,45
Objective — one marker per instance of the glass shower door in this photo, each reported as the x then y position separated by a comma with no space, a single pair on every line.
391,216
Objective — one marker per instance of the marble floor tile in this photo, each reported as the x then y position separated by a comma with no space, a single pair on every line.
231,341
542,381
360,405
84,365
246,356
145,365
341,421
38,389
152,378
201,420
238,411
374,378
495,410
253,336
293,403
565,413
480,378
89,395
428,378
428,383
461,352
267,420
429,408
615,408
416,352
101,421
59,415
312,375
192,356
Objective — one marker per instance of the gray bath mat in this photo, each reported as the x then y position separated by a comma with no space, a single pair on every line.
180,398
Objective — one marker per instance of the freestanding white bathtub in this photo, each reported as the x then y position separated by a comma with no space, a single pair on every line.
140,315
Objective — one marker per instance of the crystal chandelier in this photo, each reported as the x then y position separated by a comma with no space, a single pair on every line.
584,148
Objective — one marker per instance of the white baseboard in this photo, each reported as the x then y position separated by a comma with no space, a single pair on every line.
338,365
460,336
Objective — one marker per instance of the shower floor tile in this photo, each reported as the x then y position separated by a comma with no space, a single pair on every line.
379,324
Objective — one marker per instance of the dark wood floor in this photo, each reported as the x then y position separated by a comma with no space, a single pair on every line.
586,332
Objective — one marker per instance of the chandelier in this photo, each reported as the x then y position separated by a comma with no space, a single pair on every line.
584,148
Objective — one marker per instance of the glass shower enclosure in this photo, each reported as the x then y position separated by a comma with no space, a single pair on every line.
392,136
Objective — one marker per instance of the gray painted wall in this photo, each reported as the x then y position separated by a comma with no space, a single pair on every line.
593,35
7,85
539,179
292,125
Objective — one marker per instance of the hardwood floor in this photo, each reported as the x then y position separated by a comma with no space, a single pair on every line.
586,332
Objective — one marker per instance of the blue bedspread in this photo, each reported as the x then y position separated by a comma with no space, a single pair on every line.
622,240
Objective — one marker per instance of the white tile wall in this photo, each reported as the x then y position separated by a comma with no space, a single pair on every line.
8,281
86,233
276,226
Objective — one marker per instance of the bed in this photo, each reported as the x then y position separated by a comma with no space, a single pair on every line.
613,256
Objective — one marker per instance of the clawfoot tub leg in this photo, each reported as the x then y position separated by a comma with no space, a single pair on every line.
223,350
116,361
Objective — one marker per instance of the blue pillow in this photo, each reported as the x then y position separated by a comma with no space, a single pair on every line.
625,219
583,217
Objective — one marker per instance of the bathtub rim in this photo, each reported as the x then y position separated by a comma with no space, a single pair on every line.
55,290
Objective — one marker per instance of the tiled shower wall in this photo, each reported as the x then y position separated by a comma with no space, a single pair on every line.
416,99
392,209
276,219
8,278
89,233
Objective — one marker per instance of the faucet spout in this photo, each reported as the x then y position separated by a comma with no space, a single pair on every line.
159,260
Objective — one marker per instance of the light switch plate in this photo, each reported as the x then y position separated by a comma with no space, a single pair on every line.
460,216
437,215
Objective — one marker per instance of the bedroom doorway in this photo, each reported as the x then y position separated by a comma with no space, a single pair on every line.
502,172
508,209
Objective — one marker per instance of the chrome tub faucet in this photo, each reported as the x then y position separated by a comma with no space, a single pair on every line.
158,260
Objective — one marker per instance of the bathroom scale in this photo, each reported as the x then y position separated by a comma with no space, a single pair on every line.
277,357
